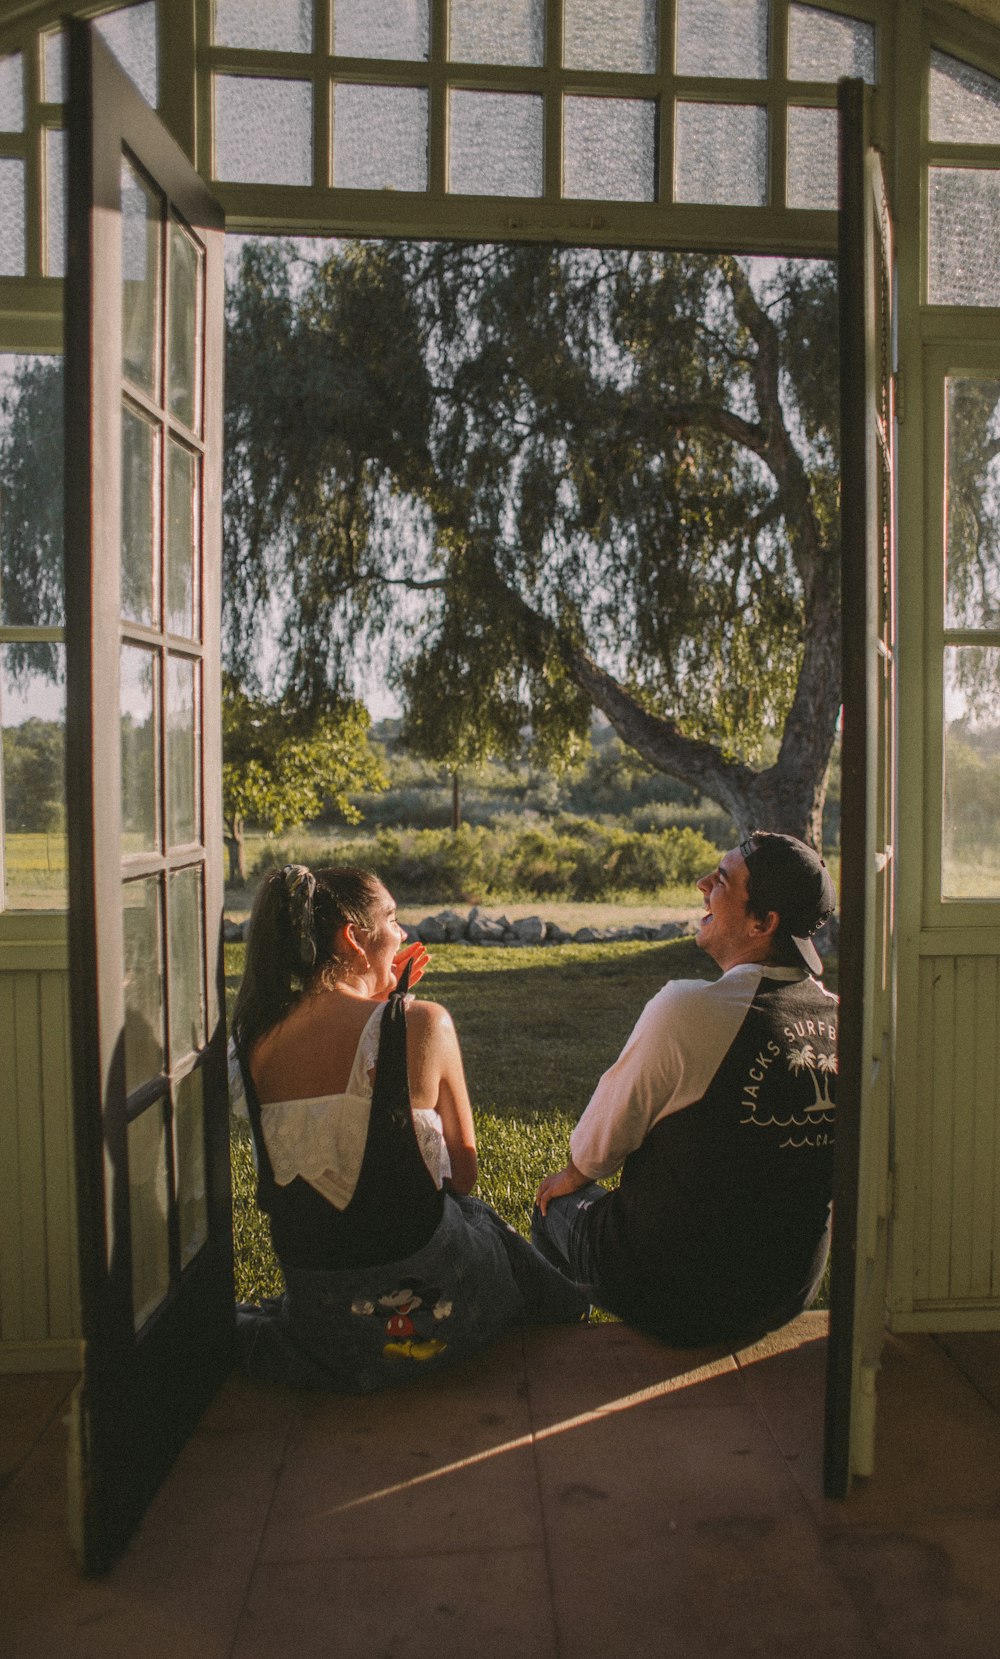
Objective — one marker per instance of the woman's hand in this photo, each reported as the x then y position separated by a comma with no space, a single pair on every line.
564,1181
418,956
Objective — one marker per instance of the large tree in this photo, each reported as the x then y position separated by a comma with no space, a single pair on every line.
604,479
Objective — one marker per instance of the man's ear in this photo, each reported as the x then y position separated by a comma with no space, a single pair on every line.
767,926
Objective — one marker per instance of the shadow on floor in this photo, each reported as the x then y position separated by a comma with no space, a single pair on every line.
575,1492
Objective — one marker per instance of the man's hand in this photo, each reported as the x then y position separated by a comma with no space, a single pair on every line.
565,1180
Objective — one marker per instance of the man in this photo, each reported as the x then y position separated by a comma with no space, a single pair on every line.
719,1112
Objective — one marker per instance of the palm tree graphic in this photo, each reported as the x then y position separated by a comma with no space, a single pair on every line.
804,1059
827,1063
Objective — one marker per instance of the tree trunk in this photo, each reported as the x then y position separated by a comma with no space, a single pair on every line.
236,849
456,803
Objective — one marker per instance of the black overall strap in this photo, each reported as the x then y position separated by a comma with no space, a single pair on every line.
267,1186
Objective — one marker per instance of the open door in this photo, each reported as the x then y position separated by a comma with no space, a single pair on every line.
867,835
144,320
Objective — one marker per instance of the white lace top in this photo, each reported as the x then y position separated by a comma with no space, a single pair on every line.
323,1139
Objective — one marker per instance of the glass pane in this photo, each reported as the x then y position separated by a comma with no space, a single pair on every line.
148,1206
140,278
495,144
382,29
721,154
185,335
963,265
722,37
12,93
131,35
32,774
812,179
964,103
182,793
137,697
380,137
972,551
55,202
186,957
263,130
483,32
610,34
970,852
823,46
139,596
189,1162
182,528
54,68
31,485
264,25
609,149
143,981
11,216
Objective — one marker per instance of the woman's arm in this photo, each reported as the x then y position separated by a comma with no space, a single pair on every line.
437,1084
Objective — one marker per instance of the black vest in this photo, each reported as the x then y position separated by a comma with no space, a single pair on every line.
719,1229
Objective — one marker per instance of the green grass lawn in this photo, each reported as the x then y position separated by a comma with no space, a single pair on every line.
537,1028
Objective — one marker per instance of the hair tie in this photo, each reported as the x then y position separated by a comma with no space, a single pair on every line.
300,886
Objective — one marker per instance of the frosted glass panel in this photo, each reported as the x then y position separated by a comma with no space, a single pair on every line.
33,768
495,144
139,593
184,346
972,547
484,32
55,202
11,216
264,25
54,70
609,149
189,1160
722,37
379,137
182,757
964,103
186,960
970,851
141,287
263,130
823,46
721,154
382,29
138,700
812,178
12,93
148,1210
131,35
143,981
963,265
181,545
31,480
610,34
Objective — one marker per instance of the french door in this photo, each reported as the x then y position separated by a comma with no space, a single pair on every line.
144,318
867,836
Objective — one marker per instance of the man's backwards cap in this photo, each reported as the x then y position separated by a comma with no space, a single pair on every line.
790,877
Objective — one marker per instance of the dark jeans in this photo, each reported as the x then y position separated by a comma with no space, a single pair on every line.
562,1235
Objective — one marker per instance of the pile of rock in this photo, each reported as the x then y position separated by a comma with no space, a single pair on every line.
477,928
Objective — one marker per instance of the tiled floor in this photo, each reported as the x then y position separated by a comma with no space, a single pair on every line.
574,1493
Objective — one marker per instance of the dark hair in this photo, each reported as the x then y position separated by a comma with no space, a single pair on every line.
277,969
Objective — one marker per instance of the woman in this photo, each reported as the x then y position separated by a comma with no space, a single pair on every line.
366,1152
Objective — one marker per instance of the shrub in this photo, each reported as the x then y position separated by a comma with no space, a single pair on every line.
572,858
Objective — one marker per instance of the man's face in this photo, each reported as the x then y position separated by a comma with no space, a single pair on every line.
728,932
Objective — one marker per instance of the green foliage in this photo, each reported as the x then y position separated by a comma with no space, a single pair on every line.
34,787
283,766
31,531
573,858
